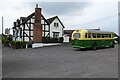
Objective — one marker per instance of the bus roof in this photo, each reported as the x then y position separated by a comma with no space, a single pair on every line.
92,31
98,31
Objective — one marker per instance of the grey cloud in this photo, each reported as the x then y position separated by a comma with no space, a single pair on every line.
62,8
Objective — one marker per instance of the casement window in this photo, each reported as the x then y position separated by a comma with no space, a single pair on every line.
56,24
55,34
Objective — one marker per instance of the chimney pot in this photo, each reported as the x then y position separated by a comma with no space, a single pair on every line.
36,5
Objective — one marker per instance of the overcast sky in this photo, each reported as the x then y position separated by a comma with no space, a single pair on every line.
75,14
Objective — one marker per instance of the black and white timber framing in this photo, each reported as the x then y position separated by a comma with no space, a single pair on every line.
23,28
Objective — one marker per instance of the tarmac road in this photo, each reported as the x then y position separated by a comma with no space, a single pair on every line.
60,62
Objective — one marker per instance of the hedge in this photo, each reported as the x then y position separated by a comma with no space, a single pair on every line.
61,39
19,44
52,40
6,40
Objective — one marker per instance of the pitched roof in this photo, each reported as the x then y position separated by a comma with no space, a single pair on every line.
22,18
50,20
68,31
25,19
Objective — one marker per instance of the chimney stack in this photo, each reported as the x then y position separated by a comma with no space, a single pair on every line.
37,30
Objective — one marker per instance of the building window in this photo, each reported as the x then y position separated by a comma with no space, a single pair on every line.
55,34
56,24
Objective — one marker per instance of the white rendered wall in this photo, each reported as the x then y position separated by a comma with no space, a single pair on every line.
56,29
66,38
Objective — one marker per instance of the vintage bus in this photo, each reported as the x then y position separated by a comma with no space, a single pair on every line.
92,39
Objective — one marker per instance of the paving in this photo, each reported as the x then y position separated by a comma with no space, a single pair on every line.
60,62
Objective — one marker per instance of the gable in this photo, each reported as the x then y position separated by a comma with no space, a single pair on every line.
50,20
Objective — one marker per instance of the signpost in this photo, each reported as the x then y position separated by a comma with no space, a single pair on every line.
2,25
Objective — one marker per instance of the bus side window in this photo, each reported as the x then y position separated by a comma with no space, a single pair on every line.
98,35
89,35
85,35
93,35
106,35
103,35
109,35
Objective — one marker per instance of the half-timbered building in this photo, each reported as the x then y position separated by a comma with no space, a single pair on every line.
33,27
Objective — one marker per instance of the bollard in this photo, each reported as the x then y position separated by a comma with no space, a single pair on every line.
26,46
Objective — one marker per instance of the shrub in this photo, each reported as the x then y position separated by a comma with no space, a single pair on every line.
45,39
49,40
24,44
6,40
61,39
54,40
19,44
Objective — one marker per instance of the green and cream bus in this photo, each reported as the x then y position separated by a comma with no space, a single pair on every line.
92,39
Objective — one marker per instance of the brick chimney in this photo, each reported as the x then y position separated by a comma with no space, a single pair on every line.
37,30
